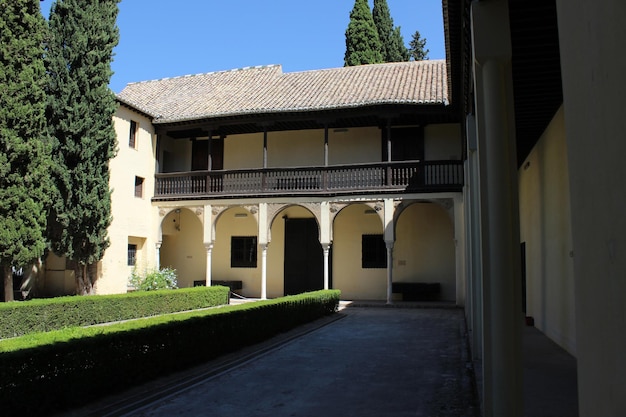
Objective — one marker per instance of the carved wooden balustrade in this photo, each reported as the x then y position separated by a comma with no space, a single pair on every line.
410,176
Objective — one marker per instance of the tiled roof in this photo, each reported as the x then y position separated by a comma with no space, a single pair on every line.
268,90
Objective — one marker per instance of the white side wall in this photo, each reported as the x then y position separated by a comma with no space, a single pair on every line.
545,227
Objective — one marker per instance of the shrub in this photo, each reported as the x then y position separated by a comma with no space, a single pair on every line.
71,367
41,315
163,279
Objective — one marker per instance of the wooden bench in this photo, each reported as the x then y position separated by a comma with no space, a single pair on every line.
417,291
233,285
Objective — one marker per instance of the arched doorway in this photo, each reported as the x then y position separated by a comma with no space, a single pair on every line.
182,248
295,241
304,263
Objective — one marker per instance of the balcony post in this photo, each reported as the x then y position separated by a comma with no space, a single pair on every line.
210,152
325,173
389,172
264,146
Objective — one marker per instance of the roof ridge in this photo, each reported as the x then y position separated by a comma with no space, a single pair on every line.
205,73
366,65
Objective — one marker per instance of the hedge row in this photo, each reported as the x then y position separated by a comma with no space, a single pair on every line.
42,315
73,367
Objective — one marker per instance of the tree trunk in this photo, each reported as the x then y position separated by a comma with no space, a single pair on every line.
85,276
7,273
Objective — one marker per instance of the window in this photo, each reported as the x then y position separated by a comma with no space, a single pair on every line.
243,252
138,187
132,254
132,137
373,252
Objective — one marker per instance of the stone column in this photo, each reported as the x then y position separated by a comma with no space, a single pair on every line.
157,261
389,246
389,236
326,249
502,313
209,252
263,270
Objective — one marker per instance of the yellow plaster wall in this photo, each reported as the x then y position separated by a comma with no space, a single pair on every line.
132,216
354,145
183,247
545,226
243,151
57,280
442,142
230,223
355,282
295,148
424,250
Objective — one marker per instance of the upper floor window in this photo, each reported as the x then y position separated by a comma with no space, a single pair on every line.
132,136
139,187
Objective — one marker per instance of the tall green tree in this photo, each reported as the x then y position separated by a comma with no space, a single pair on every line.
417,47
362,43
384,26
79,52
24,149
397,51
392,42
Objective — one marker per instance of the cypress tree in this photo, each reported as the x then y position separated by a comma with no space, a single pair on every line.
83,34
397,52
384,26
24,149
362,43
417,46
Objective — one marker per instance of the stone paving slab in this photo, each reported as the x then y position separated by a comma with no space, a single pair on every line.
372,362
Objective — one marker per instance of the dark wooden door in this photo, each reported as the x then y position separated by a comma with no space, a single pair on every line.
304,259
407,144
200,155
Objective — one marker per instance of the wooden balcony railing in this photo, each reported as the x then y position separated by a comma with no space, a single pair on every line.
411,176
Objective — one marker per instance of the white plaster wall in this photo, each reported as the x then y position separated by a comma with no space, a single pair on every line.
545,227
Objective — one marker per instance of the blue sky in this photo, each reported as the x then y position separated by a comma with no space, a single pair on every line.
167,38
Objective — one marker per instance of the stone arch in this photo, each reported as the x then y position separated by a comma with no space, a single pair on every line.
219,211
425,249
182,246
274,209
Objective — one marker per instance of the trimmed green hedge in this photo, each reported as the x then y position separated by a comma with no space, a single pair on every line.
73,367
42,315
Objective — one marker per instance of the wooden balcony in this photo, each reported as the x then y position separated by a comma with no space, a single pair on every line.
411,176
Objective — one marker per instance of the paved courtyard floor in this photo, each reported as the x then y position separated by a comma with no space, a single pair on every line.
358,362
